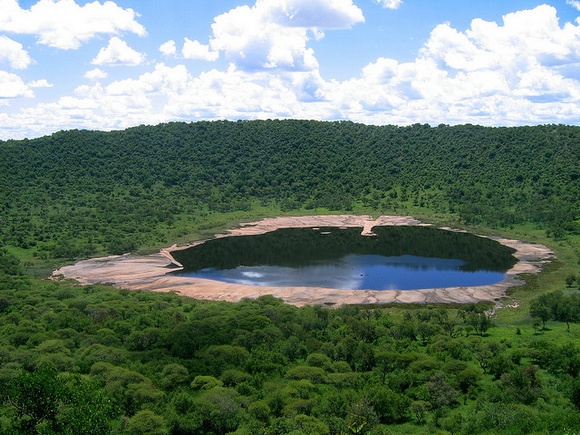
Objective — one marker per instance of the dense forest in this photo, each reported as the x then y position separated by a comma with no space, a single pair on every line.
98,360
77,192
95,360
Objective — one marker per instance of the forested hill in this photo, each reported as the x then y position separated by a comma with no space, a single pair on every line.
97,185
98,360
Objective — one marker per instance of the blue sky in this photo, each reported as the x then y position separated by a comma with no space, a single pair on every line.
68,64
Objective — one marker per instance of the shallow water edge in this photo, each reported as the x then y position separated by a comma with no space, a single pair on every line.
397,257
151,272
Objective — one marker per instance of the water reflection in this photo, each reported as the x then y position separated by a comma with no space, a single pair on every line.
397,258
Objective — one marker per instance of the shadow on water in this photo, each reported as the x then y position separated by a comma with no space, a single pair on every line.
396,258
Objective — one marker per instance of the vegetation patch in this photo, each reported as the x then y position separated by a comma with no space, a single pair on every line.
95,359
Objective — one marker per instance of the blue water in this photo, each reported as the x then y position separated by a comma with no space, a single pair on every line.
370,272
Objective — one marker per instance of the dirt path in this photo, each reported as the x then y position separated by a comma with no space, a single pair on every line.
151,272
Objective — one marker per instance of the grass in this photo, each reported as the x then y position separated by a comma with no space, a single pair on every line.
32,264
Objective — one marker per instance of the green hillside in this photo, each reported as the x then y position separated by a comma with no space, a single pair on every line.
98,360
120,189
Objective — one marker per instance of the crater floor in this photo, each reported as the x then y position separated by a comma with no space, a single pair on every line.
150,272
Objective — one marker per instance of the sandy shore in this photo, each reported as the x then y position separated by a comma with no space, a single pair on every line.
151,272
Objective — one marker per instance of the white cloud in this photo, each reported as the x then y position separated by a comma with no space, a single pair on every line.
381,71
171,93
319,14
168,48
40,84
118,53
494,74
529,42
455,50
196,50
523,70
66,25
235,94
12,52
574,3
535,33
96,74
12,86
273,34
390,4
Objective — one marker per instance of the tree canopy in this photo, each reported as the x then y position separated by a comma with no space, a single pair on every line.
97,360
75,192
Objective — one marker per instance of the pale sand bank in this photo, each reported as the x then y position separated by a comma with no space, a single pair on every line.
151,272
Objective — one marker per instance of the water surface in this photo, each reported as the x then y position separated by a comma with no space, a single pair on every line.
397,258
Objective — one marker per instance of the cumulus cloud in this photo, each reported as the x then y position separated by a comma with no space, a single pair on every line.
196,50
574,3
163,80
522,70
66,25
12,86
273,34
96,74
390,4
118,53
172,93
529,42
514,72
40,84
434,88
321,14
236,94
12,52
168,48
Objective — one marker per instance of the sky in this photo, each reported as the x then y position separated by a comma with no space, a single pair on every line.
105,65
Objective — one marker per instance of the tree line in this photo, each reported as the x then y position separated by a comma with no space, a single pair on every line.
77,192
97,360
